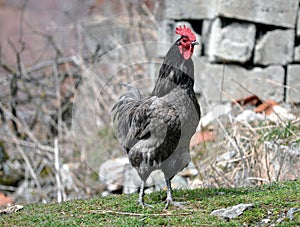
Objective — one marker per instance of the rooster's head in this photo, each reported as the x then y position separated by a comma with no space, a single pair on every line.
186,42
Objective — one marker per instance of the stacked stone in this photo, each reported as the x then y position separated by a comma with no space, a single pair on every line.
248,47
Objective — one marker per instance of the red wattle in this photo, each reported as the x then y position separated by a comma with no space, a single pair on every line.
186,53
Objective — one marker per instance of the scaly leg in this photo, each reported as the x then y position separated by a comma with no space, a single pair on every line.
141,196
169,199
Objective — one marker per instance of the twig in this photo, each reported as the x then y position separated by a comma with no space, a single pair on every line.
150,14
51,41
221,174
283,155
21,31
242,154
28,164
60,194
46,64
222,84
235,159
138,214
31,145
257,179
267,162
26,130
8,188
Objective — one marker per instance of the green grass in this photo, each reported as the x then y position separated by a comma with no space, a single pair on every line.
288,133
270,201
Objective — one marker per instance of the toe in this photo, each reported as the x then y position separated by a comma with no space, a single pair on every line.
144,205
171,202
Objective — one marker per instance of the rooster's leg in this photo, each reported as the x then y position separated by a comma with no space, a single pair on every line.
169,199
141,196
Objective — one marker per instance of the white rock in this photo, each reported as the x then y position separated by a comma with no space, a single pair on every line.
229,155
205,31
214,114
248,116
67,177
132,181
266,220
233,42
111,173
231,212
298,24
280,114
297,54
275,47
219,82
293,84
291,212
273,12
192,9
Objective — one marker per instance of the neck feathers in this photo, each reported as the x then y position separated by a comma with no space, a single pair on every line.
175,71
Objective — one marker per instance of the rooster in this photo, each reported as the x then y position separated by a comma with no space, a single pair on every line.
156,131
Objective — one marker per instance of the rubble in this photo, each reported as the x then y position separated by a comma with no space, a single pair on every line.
246,39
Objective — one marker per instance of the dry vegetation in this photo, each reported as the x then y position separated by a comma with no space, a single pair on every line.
249,153
51,111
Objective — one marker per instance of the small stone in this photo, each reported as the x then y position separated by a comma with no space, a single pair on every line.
266,221
231,212
291,212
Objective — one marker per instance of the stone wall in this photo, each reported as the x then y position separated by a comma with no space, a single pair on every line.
248,47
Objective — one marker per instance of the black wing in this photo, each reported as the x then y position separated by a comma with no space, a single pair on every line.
154,133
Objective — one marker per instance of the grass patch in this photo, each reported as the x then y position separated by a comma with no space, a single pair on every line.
270,201
288,132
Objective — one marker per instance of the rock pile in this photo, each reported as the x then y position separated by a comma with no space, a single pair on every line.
248,46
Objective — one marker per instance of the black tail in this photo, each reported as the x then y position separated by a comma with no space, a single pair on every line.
124,109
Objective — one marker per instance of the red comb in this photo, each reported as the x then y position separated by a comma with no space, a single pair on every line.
185,31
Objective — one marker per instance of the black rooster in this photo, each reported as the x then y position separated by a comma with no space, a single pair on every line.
156,131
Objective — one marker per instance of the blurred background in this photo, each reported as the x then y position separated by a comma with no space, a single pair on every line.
61,63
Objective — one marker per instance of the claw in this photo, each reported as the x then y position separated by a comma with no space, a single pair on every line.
171,202
144,205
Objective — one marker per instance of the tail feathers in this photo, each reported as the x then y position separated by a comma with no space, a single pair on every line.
123,110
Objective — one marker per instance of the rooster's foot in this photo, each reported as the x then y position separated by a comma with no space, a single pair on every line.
171,202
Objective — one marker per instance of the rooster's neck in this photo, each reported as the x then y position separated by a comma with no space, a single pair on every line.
175,71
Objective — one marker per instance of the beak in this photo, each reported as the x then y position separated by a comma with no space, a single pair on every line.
194,43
